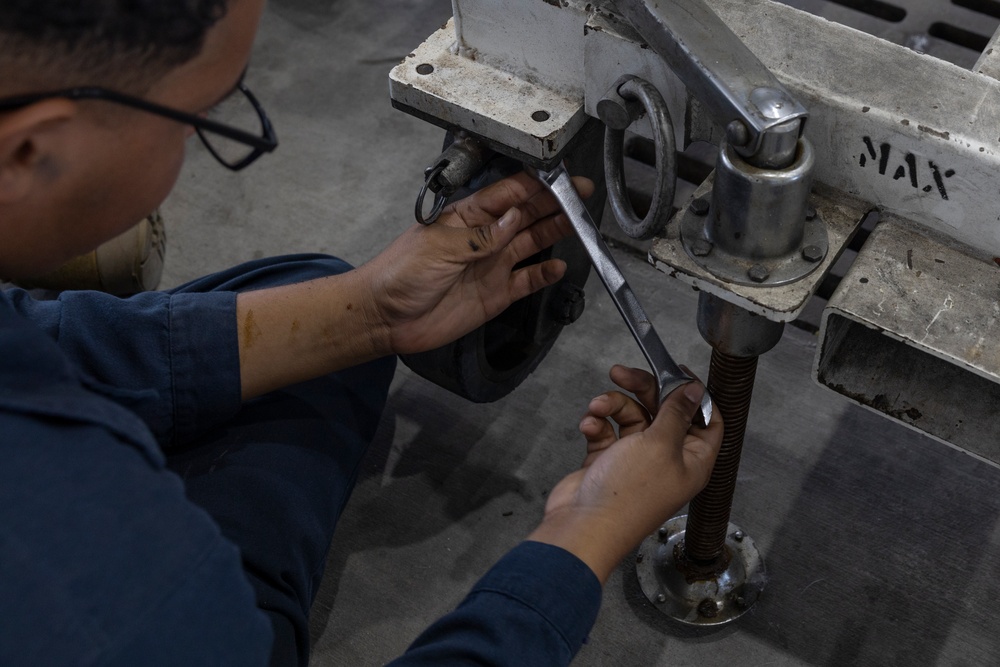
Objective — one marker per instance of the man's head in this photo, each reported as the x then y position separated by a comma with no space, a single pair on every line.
120,44
75,173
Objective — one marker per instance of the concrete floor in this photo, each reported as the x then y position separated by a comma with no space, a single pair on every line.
882,546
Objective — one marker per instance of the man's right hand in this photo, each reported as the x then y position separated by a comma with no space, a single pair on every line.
633,480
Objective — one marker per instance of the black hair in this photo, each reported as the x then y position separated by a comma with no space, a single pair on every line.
101,42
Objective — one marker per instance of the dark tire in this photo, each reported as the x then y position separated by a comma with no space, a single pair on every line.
493,360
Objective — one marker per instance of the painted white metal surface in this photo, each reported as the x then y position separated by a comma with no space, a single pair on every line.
466,92
911,333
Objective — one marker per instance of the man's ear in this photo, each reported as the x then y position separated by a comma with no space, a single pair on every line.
29,137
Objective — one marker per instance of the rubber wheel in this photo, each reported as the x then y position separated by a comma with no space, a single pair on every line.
490,362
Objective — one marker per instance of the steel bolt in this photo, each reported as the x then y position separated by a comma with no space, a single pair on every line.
708,609
740,601
639,558
661,598
701,248
812,253
739,535
699,206
758,273
810,212
663,532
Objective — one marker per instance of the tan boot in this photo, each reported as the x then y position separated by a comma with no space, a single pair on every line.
129,263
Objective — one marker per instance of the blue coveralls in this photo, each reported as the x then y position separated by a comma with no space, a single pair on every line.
109,557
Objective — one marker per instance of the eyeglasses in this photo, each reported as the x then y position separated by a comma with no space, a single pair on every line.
236,131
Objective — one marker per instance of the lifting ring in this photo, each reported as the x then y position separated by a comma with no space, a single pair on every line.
634,89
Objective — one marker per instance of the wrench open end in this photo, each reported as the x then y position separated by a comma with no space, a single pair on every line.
704,414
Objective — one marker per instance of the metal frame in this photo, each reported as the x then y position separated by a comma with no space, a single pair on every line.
910,133
915,137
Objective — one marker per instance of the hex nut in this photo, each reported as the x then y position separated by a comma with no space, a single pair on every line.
701,248
758,273
699,206
707,608
812,253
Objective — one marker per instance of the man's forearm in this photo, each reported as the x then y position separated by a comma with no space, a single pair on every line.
298,332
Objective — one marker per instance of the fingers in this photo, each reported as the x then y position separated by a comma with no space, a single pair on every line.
597,426
497,197
599,433
522,191
530,208
639,382
673,421
624,410
537,237
530,279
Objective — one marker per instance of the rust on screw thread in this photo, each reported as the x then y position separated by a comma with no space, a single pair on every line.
730,383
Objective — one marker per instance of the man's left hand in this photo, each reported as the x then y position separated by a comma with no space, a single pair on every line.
436,283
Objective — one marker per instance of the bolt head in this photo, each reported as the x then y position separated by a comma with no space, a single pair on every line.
663,532
699,206
708,608
758,273
639,558
737,133
614,113
661,598
739,535
701,248
812,253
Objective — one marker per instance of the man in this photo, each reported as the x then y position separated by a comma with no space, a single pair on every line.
174,464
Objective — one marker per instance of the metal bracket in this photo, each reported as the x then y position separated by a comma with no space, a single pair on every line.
842,216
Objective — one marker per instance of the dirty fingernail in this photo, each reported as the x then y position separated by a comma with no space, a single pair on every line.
694,391
507,218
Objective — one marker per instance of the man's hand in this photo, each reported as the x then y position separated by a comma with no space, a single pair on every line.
438,282
431,286
632,481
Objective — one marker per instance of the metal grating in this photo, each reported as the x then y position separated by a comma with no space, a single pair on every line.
952,30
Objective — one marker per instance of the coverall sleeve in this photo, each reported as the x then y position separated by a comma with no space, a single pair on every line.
534,607
173,359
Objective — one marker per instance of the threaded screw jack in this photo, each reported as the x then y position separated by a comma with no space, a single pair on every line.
730,383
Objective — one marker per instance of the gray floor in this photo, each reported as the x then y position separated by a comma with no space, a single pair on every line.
883,547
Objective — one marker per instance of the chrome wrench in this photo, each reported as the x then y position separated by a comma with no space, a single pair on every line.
668,374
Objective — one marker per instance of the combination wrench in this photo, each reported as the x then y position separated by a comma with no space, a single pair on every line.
669,375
